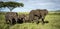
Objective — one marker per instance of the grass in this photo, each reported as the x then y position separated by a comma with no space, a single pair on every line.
53,18
2,22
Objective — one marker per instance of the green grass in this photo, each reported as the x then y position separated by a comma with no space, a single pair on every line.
54,23
2,22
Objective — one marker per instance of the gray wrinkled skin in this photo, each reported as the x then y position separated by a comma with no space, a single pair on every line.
11,17
37,14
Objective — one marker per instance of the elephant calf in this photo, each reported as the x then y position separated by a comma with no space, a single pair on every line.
23,18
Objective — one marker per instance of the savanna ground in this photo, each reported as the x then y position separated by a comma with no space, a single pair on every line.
53,18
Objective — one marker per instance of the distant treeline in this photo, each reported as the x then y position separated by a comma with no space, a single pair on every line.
2,13
54,13
50,13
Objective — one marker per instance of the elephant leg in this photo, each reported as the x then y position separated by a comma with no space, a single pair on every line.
23,20
37,20
33,21
7,21
43,19
11,21
16,20
31,17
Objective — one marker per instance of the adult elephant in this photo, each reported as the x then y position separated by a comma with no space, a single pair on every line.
37,14
11,17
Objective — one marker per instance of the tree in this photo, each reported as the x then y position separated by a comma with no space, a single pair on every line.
11,5
0,5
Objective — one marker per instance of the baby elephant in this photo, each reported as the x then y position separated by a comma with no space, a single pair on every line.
23,18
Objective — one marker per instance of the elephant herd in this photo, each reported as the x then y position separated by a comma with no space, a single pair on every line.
34,16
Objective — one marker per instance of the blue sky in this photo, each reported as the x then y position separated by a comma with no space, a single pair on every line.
29,5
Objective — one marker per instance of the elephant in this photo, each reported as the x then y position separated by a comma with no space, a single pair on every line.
36,15
11,17
27,19
23,18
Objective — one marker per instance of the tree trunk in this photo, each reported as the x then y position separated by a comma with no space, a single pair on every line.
10,10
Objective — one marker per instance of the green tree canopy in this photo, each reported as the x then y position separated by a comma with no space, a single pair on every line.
11,5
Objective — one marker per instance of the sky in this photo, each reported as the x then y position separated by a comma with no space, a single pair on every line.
50,5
